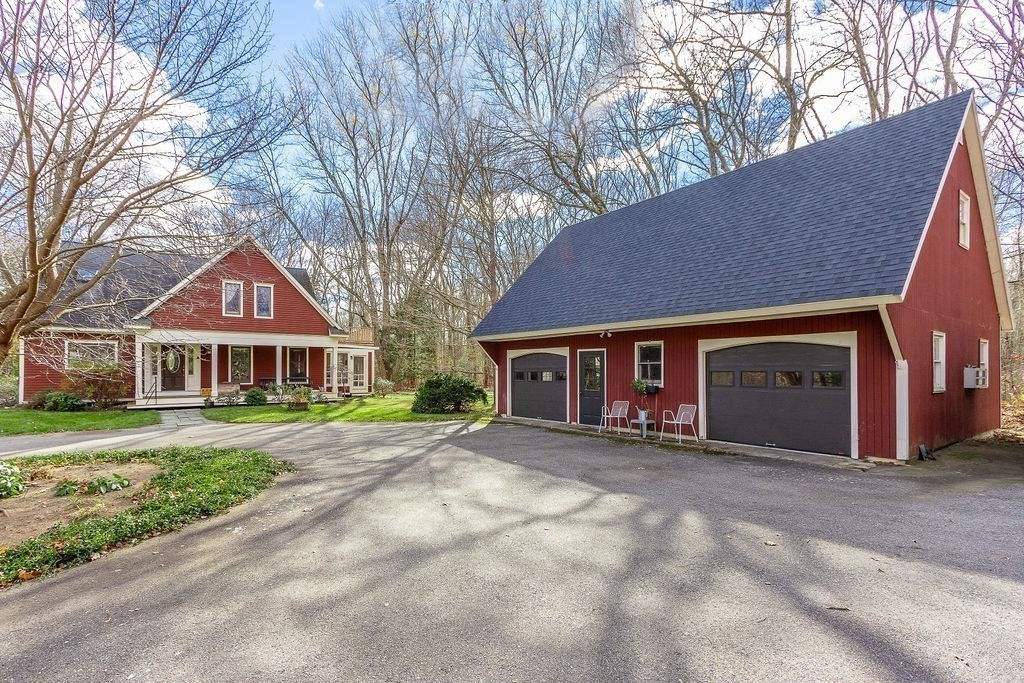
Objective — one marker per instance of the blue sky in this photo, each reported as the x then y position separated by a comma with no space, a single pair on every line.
296,20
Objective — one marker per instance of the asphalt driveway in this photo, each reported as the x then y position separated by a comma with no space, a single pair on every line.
502,552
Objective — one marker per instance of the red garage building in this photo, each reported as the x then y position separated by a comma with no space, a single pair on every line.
846,297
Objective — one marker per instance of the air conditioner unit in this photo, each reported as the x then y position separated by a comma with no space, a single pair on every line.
975,377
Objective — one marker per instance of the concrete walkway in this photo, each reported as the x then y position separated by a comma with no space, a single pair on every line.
472,552
182,418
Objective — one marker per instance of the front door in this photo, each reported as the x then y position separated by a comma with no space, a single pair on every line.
172,374
591,380
297,365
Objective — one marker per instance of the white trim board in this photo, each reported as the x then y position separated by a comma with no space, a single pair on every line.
175,336
517,353
970,132
792,311
192,277
844,339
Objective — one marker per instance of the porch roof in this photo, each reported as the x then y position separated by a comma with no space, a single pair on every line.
179,336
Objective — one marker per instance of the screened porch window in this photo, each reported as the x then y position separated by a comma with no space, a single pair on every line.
240,364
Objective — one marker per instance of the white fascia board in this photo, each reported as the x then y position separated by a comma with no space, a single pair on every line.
791,311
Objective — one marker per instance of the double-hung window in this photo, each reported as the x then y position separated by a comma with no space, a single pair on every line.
649,362
938,362
983,363
964,221
231,298
90,355
264,301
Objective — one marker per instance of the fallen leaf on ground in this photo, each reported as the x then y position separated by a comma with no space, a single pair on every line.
770,543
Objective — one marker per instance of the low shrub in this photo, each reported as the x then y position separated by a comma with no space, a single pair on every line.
255,397
63,402
11,481
447,393
8,390
38,400
231,398
320,398
104,387
383,387
300,395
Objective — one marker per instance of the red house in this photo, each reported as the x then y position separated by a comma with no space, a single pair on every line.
846,297
182,328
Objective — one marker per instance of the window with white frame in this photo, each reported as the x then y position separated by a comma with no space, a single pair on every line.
240,364
89,355
964,220
649,362
938,362
983,363
264,301
231,299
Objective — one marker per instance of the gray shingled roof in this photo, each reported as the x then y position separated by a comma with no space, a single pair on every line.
837,219
135,281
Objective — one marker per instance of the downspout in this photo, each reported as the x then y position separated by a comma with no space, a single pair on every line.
902,388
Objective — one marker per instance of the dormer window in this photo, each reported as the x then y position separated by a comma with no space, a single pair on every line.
965,220
232,298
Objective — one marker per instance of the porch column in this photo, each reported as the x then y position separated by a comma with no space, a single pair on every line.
213,370
140,366
334,370
277,360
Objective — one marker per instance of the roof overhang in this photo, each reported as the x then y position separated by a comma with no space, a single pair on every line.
790,311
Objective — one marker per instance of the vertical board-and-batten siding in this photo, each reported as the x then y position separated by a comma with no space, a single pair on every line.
950,291
875,365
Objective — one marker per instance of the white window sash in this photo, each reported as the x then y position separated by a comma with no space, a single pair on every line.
224,298
938,362
256,300
69,343
640,366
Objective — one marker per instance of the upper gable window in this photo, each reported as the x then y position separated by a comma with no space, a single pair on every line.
964,221
938,362
232,298
264,301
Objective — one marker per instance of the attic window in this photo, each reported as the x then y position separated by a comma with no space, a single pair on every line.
232,298
964,221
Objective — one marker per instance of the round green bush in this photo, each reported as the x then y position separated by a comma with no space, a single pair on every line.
63,402
255,397
446,392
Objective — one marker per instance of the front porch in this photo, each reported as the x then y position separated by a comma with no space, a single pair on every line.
184,368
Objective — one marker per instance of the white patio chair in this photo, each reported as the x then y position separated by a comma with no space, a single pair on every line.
619,413
684,416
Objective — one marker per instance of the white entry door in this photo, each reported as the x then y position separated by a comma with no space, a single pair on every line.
358,374
192,368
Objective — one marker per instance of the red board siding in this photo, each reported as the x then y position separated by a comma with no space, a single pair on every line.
875,365
44,360
950,291
199,305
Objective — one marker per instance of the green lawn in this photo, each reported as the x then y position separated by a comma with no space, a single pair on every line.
26,421
394,408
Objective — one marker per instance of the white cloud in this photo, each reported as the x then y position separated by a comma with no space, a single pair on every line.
318,5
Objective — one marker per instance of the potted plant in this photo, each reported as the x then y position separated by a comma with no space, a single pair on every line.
642,389
299,398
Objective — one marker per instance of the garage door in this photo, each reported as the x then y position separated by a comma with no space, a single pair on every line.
539,384
786,395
